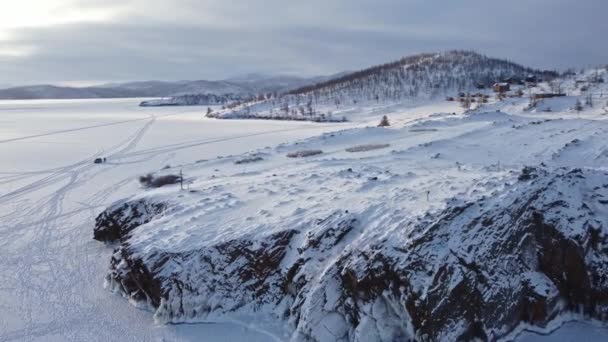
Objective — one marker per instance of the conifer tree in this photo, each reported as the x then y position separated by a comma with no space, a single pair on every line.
384,122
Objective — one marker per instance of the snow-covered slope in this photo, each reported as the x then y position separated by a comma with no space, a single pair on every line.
442,234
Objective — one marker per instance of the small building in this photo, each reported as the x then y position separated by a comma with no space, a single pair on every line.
513,80
501,87
531,79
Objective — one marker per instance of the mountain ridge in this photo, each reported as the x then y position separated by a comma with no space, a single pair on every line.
156,88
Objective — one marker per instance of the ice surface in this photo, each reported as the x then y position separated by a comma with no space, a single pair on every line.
51,281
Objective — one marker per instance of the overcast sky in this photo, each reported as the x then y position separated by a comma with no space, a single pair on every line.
83,42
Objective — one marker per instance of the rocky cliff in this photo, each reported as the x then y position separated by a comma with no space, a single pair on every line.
528,254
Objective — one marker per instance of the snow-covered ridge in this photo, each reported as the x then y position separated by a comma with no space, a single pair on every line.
381,244
420,74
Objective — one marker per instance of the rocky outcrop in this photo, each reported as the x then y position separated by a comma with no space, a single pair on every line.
476,270
480,270
120,218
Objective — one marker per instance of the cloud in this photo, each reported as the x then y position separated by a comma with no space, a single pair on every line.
188,39
36,13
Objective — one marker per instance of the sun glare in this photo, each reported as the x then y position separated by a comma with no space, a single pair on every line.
43,13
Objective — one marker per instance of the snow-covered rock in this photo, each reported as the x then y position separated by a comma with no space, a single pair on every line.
534,251
120,218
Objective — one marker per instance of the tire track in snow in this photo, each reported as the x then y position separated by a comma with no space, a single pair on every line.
80,166
83,128
45,275
51,262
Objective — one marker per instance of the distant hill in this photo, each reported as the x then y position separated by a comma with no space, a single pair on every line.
56,92
229,91
243,86
427,75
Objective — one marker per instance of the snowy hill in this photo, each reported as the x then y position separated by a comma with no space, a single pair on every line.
423,76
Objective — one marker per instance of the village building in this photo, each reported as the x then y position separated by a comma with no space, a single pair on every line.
501,87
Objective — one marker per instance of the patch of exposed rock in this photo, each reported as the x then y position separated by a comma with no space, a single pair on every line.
121,218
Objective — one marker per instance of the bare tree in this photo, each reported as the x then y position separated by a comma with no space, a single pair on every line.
285,108
533,102
466,102
311,111
556,86
578,106
589,100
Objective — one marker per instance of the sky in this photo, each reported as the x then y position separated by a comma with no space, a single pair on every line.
85,42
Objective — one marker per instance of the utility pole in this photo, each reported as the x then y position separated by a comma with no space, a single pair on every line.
181,179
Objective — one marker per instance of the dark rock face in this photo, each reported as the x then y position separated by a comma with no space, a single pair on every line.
474,271
118,220
144,282
527,258
243,271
